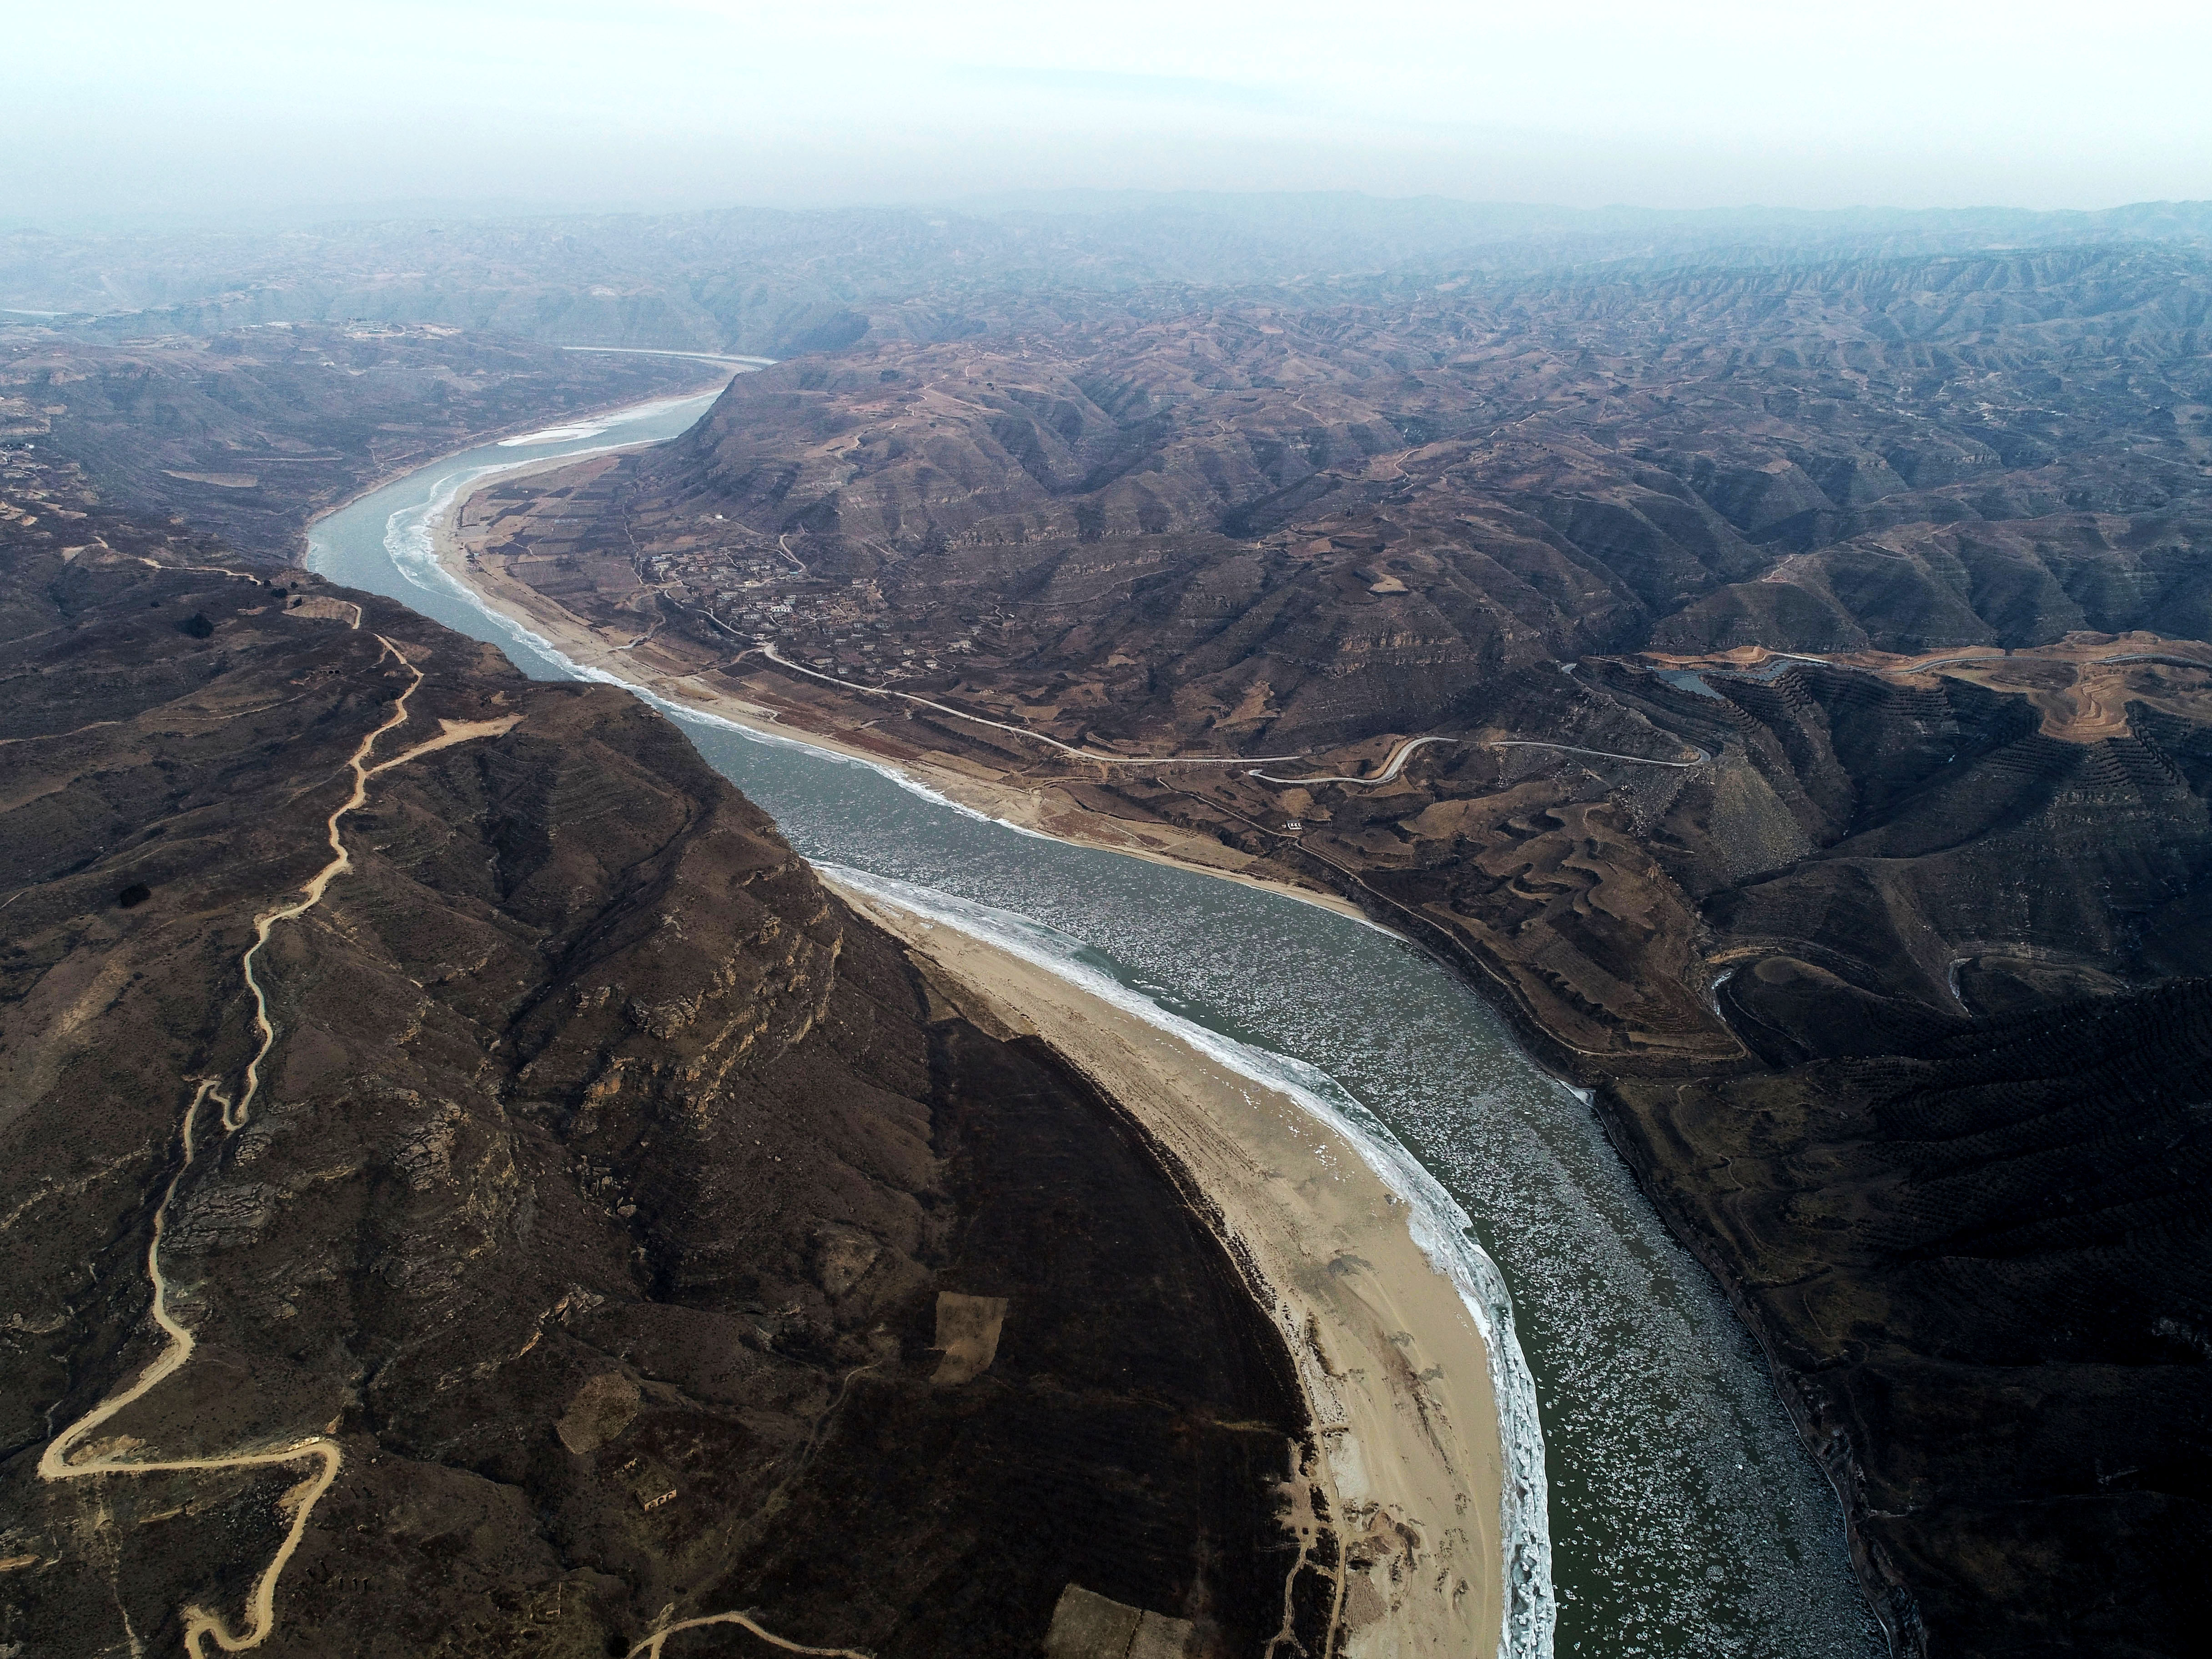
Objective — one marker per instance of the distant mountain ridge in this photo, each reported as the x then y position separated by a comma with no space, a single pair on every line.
780,283
1804,621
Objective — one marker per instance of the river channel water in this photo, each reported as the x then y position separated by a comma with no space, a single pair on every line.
1684,1516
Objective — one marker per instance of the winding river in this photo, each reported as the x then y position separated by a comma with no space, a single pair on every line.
1684,1518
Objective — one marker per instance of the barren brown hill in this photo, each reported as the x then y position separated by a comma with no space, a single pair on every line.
1810,674
579,1245
248,434
1256,525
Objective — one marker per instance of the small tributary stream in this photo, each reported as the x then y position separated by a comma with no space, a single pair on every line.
1684,1516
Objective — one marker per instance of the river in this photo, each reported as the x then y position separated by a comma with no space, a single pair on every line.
1684,1516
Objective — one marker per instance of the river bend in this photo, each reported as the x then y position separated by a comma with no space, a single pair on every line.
1684,1516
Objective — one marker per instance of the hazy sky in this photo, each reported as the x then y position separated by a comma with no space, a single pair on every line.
120,106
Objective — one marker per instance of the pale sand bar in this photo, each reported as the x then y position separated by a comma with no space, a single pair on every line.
1395,1368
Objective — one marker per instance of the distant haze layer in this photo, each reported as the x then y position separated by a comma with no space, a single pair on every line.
122,106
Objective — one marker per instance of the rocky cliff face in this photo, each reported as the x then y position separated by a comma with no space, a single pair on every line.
623,1230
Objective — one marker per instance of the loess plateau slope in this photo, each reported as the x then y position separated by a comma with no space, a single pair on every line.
1816,712
620,1230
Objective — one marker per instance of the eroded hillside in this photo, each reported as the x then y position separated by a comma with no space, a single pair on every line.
606,1228
248,434
1785,691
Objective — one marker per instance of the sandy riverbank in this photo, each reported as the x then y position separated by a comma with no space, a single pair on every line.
637,661
1393,1363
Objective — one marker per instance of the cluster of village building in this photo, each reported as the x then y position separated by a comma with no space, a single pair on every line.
842,628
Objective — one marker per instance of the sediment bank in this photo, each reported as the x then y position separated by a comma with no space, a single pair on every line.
1411,1466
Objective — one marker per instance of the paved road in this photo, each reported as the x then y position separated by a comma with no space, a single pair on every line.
782,661
1703,758
1399,755
1391,768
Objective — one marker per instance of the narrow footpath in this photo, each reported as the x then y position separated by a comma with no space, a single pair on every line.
72,1455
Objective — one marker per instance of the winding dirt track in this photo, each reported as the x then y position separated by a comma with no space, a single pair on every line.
71,1456
1391,768
650,1648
